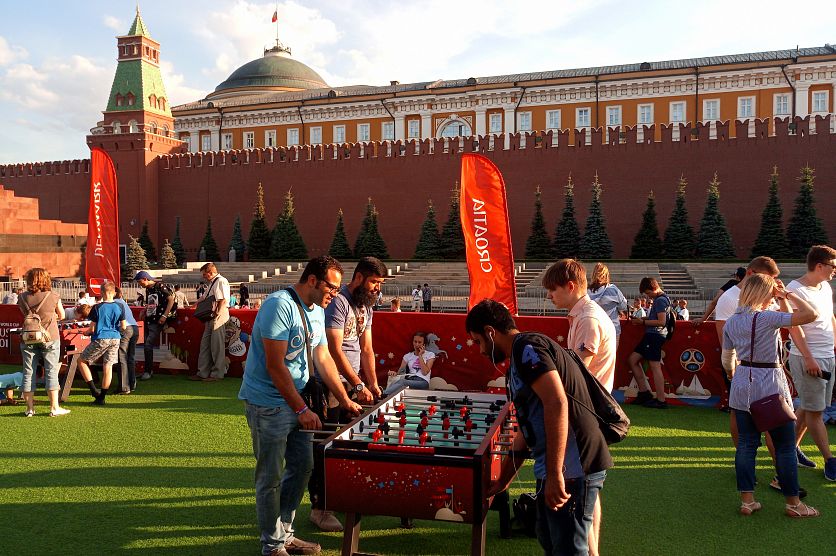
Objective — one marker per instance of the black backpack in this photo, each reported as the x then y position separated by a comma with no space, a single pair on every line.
670,319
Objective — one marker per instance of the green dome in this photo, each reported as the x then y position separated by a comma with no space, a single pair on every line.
276,70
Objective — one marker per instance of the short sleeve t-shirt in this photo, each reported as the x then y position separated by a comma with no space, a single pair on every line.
129,315
660,306
413,367
219,288
731,283
107,315
279,319
534,355
353,321
819,333
592,330
727,304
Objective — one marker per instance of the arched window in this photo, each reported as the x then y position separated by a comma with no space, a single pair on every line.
456,128
152,128
117,127
131,99
161,105
120,100
152,98
133,128
165,130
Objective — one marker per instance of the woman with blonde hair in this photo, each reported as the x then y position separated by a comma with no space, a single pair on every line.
753,332
608,296
40,299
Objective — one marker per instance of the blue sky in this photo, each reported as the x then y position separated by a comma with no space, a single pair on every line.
57,59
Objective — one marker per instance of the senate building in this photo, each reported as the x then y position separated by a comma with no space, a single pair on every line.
274,121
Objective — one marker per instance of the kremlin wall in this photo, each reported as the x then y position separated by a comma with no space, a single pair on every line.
538,128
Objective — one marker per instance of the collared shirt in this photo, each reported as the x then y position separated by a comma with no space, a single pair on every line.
591,329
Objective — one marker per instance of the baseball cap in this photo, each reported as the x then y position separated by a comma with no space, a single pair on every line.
142,274
740,272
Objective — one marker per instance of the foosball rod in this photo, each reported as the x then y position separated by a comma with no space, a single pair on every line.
431,440
439,410
454,415
443,406
459,401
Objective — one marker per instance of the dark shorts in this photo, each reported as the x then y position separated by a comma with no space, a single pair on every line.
650,347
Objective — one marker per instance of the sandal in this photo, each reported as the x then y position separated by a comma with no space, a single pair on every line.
801,510
748,508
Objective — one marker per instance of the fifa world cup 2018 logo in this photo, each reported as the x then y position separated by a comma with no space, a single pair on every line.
692,360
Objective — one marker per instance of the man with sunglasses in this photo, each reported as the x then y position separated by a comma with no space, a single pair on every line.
348,326
278,369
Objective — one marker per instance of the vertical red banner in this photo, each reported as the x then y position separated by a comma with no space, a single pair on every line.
102,258
487,233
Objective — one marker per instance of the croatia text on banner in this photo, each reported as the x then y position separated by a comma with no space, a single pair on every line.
487,233
102,258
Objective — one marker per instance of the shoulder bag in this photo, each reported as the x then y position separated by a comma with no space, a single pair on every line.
771,411
313,393
205,309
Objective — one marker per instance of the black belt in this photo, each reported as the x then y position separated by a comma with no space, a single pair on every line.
755,365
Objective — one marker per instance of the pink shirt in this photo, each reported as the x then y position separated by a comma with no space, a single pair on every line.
591,329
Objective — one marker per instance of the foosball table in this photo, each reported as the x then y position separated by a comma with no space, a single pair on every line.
421,454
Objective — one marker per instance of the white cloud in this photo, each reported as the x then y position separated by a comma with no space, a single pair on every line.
114,23
11,53
176,89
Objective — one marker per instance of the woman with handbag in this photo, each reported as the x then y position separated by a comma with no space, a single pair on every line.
760,395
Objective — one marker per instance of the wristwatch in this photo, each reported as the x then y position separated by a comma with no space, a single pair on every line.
357,388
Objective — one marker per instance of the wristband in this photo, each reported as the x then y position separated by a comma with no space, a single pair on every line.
301,411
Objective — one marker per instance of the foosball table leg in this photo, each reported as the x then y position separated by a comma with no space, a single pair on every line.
502,504
68,382
477,542
351,534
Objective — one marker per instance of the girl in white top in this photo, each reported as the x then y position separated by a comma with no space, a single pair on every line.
416,367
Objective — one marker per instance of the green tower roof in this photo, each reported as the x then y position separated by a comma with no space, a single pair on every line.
138,29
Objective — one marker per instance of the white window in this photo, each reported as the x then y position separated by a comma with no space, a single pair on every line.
746,107
387,131
613,115
249,139
293,136
316,135
363,132
782,105
117,127
677,112
645,114
187,139
413,129
552,119
820,101
495,123
270,138
227,141
133,127
339,134
524,121
206,142
582,117
711,109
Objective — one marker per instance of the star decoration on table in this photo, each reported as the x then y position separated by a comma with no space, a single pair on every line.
561,338
464,360
391,355
453,339
469,342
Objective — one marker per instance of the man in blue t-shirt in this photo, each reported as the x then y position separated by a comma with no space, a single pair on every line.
549,392
278,369
650,346
108,322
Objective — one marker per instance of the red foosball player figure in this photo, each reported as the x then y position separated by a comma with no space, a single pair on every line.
402,420
432,409
423,438
377,435
381,418
401,407
464,412
425,422
445,424
469,425
401,436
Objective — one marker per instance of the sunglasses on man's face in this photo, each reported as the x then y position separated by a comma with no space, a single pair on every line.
329,286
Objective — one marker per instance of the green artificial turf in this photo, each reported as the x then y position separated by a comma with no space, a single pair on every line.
168,470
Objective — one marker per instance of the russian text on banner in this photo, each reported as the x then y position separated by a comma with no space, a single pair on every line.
487,233
102,259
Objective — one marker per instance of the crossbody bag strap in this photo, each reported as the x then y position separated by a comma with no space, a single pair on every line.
751,358
305,327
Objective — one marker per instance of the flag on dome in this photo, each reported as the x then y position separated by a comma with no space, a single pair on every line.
275,16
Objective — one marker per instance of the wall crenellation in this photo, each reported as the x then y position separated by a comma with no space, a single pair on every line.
29,169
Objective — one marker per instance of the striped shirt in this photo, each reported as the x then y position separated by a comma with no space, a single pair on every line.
612,301
737,335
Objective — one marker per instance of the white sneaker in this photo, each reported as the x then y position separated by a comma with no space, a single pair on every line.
29,413
58,412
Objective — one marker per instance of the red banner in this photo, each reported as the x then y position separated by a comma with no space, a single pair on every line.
487,234
102,259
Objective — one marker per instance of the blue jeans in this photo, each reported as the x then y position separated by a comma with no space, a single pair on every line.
412,381
127,351
566,531
749,438
49,355
284,459
152,335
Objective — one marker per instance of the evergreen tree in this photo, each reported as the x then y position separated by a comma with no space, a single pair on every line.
596,243
429,243
136,260
147,244
237,241
714,241
679,236
209,245
771,240
259,240
177,244
805,228
340,249
647,244
567,236
369,241
452,236
167,257
539,244
287,243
